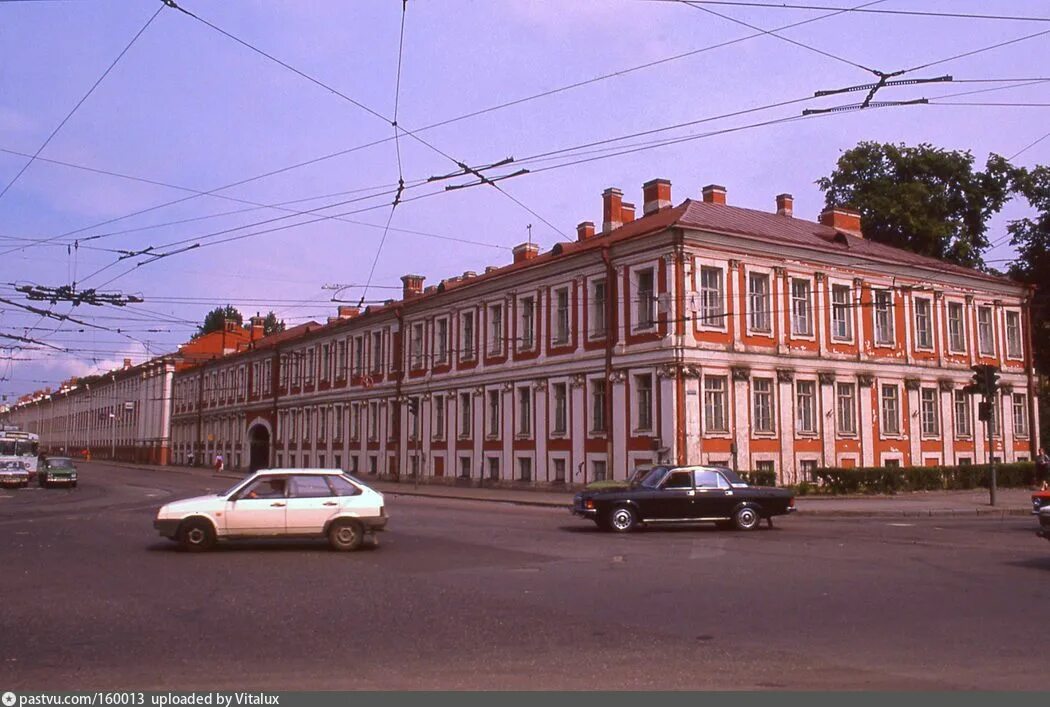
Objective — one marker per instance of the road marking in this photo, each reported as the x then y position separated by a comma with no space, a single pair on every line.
902,525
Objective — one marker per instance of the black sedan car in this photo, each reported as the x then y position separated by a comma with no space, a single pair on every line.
693,494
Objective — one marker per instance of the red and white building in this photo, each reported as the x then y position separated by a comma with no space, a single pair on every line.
697,333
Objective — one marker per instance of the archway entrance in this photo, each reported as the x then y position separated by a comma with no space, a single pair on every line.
259,438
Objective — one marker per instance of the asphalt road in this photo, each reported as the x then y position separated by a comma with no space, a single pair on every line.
470,595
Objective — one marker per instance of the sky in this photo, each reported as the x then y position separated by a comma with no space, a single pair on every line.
252,87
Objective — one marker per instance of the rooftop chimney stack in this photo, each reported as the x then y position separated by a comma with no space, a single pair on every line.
585,231
714,194
785,205
256,327
656,195
411,286
525,251
626,212
346,311
612,209
842,218
127,363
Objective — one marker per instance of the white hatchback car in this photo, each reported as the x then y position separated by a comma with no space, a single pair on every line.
278,503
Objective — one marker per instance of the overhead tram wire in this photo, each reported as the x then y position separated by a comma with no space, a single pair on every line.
459,118
79,103
1027,147
913,13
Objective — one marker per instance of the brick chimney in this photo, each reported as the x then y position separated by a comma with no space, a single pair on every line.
525,251
656,195
256,325
412,285
612,209
585,231
714,194
346,311
127,363
842,219
626,212
785,205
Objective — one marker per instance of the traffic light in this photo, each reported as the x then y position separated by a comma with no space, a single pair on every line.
985,380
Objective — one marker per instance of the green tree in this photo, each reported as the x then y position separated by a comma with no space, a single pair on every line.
271,324
925,199
216,319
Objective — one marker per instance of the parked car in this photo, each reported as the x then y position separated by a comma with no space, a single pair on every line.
13,473
692,494
57,471
322,503
1040,499
1044,523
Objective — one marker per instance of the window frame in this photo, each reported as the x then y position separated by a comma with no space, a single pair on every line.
712,311
806,315
759,319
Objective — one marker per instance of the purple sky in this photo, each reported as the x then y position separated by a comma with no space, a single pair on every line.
188,106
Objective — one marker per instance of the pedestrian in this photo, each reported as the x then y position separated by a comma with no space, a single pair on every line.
218,464
189,459
1042,469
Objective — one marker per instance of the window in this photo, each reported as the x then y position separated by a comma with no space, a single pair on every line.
561,316
373,464
712,297
413,416
342,487
956,327
1020,406
1013,334
762,395
679,480
359,356
643,386
495,329
441,341
524,469
766,465
598,405
892,463
311,363
326,361
597,309
923,323
493,418
340,363
355,422
310,487
493,467
805,407
963,414
846,408
644,298
715,417
528,323
808,467
524,411
598,470
884,330
464,467
322,425
985,334
758,302
559,470
891,410
267,376
439,417
466,350
373,421
709,479
930,414
464,414
377,352
416,345
801,306
560,404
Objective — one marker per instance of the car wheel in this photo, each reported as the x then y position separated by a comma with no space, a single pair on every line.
746,518
622,520
345,535
197,535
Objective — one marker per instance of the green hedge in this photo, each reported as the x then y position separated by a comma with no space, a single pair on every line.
922,478
759,478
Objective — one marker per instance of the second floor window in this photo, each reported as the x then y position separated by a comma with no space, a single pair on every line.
985,332
465,414
1020,410
597,309
801,308
891,410
439,417
762,395
956,327
923,323
466,349
528,323
846,408
758,302
712,297
930,414
377,352
493,413
441,341
643,386
560,405
963,414
524,411
495,329
561,316
715,417
884,330
598,405
841,313
1013,334
805,407
359,356
644,298
416,345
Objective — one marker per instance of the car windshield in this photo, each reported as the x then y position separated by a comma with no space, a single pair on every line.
652,479
230,490
60,463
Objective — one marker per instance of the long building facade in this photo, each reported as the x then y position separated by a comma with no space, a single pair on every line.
696,333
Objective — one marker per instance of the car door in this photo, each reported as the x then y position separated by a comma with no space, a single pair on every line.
311,503
675,498
259,508
714,496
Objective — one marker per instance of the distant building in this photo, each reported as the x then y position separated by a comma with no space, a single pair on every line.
701,332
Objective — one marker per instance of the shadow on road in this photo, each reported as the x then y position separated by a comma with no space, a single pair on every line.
1034,563
261,546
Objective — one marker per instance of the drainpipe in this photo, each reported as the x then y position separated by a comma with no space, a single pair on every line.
1033,433
678,318
612,329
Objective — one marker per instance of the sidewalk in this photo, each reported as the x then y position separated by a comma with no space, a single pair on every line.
953,504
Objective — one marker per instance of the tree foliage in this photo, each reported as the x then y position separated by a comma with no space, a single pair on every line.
216,319
925,199
271,324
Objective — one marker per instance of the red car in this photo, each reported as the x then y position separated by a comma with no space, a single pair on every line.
1040,499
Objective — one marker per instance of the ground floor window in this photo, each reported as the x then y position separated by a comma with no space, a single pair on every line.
338,462
765,465
280,460
373,465
598,470
808,467
965,461
559,470
320,461
493,467
524,469
892,463
464,467
353,464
